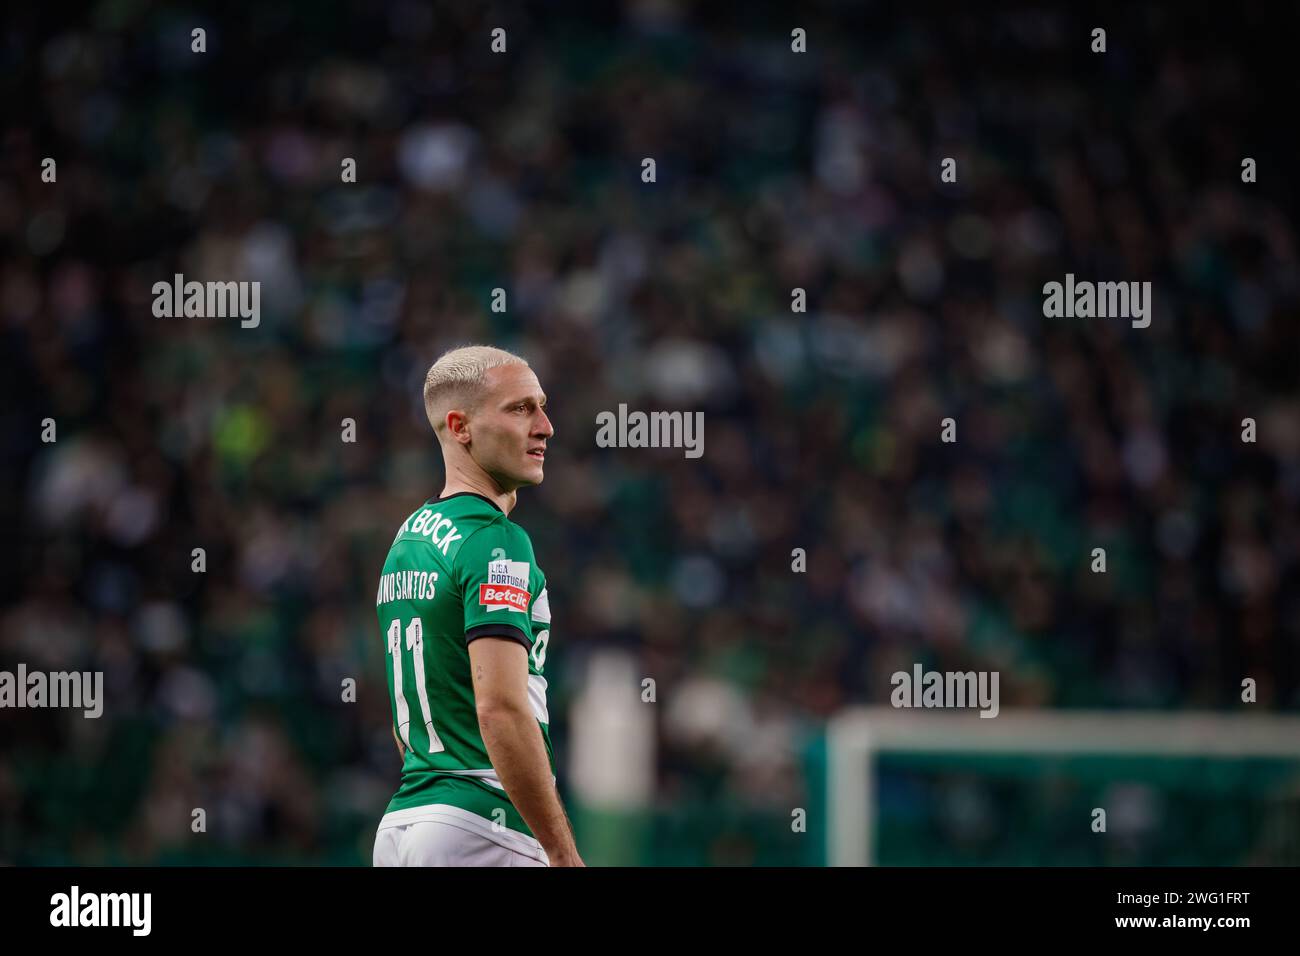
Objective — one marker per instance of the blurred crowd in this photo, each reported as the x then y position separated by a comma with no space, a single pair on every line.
775,171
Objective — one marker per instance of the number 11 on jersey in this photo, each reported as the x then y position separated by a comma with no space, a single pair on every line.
414,644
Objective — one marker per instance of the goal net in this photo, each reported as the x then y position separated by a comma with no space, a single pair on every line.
926,788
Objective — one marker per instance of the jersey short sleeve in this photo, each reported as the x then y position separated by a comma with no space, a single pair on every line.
494,569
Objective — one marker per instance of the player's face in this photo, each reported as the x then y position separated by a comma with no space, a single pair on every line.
510,428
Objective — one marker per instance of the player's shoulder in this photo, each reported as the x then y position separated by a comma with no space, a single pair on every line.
450,524
446,523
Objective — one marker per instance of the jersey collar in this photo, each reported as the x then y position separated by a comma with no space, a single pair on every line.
473,494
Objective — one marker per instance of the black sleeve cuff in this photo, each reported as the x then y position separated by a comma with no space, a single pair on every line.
507,631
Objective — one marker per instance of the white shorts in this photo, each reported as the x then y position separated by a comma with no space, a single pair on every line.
441,835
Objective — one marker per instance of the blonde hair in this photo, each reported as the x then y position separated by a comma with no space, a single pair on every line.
459,378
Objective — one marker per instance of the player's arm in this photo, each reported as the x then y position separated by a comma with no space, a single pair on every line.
514,743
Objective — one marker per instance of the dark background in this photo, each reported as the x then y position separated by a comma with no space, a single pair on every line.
522,171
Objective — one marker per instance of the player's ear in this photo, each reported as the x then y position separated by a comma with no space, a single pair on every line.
458,425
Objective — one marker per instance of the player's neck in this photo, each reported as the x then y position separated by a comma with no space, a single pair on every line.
456,483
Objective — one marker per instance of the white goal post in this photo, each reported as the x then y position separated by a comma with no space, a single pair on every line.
855,736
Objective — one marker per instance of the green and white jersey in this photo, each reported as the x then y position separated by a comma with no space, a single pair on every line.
458,570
